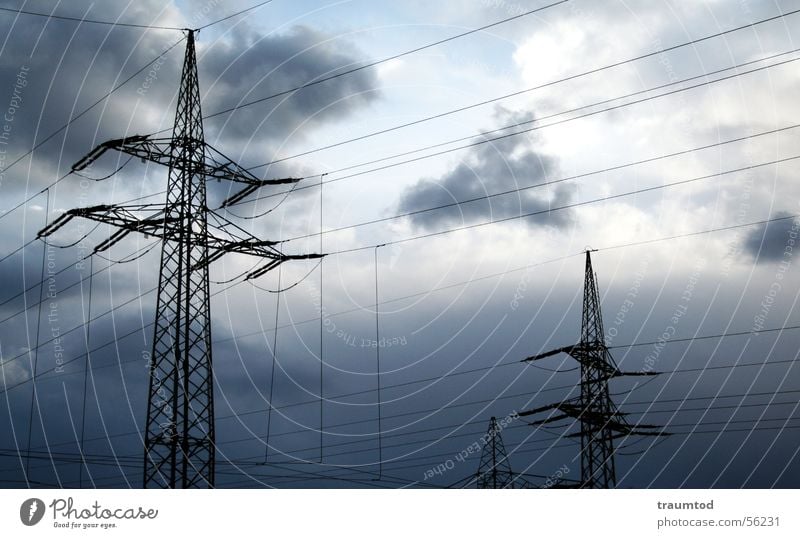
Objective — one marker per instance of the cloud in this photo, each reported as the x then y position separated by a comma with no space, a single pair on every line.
71,67
452,329
768,242
491,168
252,66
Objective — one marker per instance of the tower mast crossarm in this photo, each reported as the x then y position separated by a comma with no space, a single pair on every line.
579,353
569,350
564,407
161,226
218,247
215,165
120,216
623,429
573,409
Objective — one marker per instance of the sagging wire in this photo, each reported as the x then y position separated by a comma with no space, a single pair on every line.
635,387
123,165
638,452
554,370
85,378
87,234
286,195
378,366
272,370
237,277
321,333
123,260
281,290
35,359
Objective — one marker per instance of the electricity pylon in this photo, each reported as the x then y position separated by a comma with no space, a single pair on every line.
600,421
179,428
494,469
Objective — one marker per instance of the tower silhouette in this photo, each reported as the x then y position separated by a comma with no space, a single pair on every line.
179,436
600,420
494,469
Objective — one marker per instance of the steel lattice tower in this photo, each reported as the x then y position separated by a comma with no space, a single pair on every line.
597,365
179,427
600,421
494,469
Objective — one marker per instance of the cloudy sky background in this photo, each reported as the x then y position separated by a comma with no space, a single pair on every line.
488,295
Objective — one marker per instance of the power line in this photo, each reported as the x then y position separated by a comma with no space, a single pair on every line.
774,162
89,21
71,120
110,342
472,403
233,15
559,81
427,440
527,267
551,83
44,190
691,234
130,257
476,422
489,400
494,139
529,450
223,290
384,60
507,96
34,360
549,183
239,463
4,258
571,206
517,451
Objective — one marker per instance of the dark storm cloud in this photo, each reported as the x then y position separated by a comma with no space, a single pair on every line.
491,168
68,66
117,395
251,66
769,242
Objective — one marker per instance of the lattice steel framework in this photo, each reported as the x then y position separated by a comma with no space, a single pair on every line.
600,421
494,469
179,427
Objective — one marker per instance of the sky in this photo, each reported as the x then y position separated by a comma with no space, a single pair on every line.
582,126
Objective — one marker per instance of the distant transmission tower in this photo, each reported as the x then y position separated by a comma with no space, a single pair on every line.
494,469
179,429
599,418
